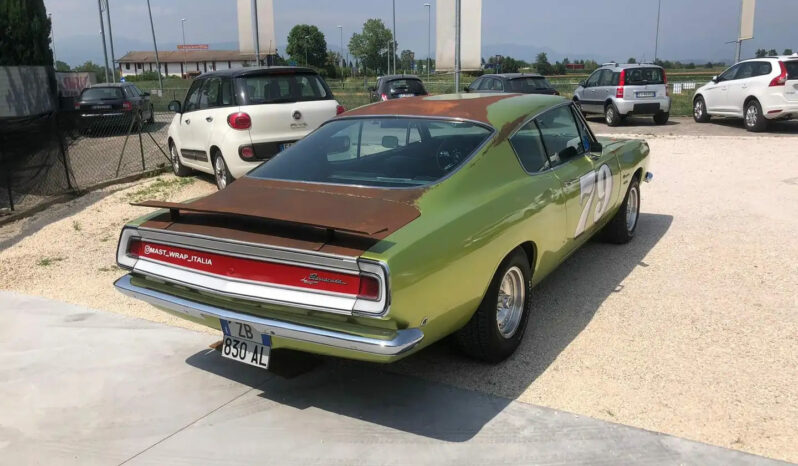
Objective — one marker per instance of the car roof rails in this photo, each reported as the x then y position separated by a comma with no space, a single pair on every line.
612,63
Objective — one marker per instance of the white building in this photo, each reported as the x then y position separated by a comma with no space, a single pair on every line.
185,63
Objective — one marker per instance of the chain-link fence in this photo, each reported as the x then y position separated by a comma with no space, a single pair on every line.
68,152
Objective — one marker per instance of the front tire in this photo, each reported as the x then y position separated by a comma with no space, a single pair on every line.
755,121
177,167
661,118
611,115
700,114
621,229
220,171
497,327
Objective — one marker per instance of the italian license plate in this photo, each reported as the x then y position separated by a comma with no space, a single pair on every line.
100,107
243,343
406,95
285,146
645,94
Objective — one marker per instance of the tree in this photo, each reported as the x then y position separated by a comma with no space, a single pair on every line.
61,66
371,46
542,64
631,60
91,67
772,52
787,52
24,34
406,59
306,45
761,53
559,68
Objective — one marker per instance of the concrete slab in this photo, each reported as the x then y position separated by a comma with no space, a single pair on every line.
87,387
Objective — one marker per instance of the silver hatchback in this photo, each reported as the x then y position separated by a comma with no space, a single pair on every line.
617,91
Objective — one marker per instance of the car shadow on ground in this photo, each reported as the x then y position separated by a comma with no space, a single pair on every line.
398,396
631,121
774,126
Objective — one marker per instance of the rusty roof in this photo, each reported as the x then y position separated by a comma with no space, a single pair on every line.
175,56
493,109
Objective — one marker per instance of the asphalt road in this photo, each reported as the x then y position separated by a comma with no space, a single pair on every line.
86,387
686,126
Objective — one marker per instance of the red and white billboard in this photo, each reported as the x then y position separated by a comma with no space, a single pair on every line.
192,46
71,83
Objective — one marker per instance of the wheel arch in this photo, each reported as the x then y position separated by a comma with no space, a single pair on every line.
748,101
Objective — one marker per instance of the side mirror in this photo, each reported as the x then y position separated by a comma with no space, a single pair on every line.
174,106
390,142
596,147
714,79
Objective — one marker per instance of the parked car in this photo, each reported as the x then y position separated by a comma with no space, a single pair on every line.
113,104
523,83
391,227
396,87
231,121
617,91
757,90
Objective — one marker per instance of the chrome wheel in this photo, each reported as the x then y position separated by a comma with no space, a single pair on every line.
609,115
698,109
220,170
175,159
751,115
632,208
510,302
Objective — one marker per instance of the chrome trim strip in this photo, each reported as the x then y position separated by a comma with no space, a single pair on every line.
402,342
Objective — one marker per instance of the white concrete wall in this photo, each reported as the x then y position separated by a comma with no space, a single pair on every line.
174,68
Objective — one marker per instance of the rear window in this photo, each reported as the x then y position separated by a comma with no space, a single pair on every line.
406,86
282,88
378,151
643,76
101,93
792,69
526,85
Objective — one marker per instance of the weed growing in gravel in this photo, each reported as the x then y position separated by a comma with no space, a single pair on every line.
159,189
44,262
106,238
112,268
76,225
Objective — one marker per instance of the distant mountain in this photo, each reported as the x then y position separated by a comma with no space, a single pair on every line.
529,53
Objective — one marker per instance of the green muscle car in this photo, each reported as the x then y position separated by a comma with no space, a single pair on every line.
391,227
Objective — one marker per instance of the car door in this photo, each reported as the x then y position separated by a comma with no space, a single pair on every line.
189,130
716,92
604,88
748,81
588,99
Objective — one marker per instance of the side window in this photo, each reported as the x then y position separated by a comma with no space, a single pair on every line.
137,91
193,96
729,74
746,71
496,85
528,145
561,136
605,78
593,79
227,92
209,96
484,85
762,68
475,85
584,132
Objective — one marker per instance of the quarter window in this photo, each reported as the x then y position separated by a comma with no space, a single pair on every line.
561,136
528,145
605,78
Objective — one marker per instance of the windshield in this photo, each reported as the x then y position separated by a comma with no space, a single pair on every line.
274,88
406,86
527,85
642,76
387,151
101,93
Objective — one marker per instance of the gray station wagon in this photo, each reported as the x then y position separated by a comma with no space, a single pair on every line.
617,91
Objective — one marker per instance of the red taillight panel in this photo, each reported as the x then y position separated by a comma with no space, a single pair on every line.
384,97
127,106
339,109
781,79
239,120
259,271
621,83
77,105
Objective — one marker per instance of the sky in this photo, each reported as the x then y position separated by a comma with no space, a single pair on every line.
599,29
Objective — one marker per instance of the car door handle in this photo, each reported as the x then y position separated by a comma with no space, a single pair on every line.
188,122
209,119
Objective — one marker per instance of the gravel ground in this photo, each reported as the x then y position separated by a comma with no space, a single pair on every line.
690,330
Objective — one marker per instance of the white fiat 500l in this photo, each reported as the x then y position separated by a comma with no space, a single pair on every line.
757,90
233,120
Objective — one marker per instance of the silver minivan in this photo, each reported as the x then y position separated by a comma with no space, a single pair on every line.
621,90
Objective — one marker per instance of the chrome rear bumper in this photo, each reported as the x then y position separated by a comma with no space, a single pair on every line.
404,340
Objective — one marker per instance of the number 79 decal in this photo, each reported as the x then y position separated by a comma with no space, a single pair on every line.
596,184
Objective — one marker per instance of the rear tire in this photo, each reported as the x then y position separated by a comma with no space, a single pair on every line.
151,119
611,115
497,327
220,171
177,167
621,229
661,118
700,114
754,120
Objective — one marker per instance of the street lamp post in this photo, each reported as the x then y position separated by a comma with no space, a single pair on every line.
102,34
183,32
341,30
155,45
457,46
307,42
656,40
429,34
111,39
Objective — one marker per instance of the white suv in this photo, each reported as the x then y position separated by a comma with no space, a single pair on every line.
233,120
756,90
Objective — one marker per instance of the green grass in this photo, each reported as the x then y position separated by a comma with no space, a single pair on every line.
159,189
48,261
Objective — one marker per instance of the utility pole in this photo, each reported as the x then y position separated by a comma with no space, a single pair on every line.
739,41
393,43
111,39
307,43
183,31
429,34
155,45
341,30
656,40
257,33
457,46
102,34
